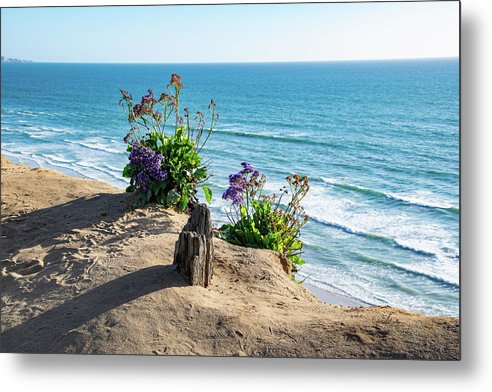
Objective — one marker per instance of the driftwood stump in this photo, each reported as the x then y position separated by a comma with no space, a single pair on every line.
193,253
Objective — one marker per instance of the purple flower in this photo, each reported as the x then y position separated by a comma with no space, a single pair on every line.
150,164
237,178
247,167
234,193
148,99
241,183
142,180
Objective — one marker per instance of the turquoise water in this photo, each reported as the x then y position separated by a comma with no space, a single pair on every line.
378,140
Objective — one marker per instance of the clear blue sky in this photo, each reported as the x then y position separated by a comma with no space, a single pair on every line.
230,33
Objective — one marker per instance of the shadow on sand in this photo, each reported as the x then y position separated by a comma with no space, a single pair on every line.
41,227
53,325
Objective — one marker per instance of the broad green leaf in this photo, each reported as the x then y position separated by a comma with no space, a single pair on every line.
296,260
183,203
208,193
127,171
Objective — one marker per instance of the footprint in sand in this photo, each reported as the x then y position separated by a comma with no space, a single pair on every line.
28,267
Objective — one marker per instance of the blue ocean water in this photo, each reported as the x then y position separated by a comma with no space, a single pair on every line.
379,141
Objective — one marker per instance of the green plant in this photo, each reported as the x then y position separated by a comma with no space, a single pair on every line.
166,167
261,221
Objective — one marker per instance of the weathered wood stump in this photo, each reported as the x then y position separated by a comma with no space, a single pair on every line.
193,253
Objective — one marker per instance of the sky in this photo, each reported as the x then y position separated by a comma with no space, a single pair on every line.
232,33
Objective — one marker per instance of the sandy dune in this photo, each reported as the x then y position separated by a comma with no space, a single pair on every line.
84,272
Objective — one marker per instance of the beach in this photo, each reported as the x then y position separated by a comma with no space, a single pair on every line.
84,271
377,139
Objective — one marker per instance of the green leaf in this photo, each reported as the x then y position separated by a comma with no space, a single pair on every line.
208,193
153,186
296,245
183,203
127,171
296,260
200,173
172,198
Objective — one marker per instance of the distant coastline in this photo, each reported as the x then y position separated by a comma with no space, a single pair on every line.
342,61
11,60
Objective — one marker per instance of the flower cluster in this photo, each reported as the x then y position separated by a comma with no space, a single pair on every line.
145,115
234,193
149,164
146,105
175,81
266,221
166,165
241,183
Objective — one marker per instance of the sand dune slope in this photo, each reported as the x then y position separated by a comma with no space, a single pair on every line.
84,272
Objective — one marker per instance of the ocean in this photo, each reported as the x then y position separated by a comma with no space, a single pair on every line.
379,141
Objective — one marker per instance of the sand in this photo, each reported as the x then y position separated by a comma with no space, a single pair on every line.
84,271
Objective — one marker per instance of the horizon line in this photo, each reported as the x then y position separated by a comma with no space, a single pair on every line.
24,61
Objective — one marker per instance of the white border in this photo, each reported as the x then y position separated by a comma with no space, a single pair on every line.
125,373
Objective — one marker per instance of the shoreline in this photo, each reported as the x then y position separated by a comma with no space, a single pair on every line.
324,295
331,298
84,272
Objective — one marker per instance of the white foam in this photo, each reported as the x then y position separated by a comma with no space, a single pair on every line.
422,197
417,233
98,146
